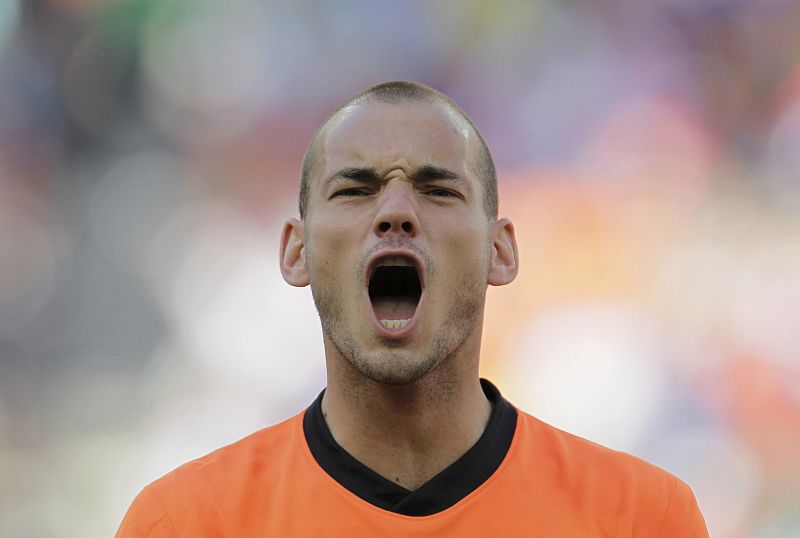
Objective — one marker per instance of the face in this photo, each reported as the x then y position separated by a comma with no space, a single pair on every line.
396,244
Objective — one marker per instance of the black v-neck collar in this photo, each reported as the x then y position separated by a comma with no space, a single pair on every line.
440,492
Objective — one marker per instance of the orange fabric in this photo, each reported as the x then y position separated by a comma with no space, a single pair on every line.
551,484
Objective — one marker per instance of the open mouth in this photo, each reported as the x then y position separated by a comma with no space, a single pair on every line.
394,291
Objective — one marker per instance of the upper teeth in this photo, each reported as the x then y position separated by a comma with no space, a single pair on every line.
395,261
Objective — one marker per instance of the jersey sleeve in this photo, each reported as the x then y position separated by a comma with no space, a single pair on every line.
146,517
683,517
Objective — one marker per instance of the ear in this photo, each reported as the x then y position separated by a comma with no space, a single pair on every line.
293,253
505,259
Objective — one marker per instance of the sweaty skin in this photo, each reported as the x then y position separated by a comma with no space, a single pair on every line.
408,403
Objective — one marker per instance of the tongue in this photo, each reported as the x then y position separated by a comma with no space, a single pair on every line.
395,307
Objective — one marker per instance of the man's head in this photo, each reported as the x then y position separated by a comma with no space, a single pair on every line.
398,236
401,92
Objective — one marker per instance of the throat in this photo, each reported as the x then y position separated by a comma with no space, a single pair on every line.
404,434
395,307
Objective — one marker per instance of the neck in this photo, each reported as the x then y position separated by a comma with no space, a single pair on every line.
407,433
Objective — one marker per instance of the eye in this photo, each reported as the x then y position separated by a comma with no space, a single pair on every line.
436,191
353,191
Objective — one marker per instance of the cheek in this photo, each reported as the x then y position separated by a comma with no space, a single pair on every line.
467,257
329,255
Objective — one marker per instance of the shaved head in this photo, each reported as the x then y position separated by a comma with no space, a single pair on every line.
398,93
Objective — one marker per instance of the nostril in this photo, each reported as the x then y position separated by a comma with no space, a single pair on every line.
385,226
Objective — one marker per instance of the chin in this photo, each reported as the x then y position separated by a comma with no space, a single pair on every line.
393,367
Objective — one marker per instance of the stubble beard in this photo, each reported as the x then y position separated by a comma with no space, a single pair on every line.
392,365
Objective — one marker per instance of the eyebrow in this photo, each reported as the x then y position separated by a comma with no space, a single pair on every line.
422,174
429,172
366,175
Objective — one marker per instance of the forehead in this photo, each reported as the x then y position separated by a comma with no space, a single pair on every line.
386,135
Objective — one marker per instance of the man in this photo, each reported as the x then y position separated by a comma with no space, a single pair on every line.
398,237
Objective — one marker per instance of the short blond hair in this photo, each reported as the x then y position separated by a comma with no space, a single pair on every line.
399,92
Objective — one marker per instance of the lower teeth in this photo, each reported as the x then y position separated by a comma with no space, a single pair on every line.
394,323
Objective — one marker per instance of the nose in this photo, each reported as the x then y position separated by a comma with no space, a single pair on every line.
397,213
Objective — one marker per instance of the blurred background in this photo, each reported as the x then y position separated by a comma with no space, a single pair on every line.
648,152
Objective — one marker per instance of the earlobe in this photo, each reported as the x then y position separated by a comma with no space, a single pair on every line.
293,254
505,259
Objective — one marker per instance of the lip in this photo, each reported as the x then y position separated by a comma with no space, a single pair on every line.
396,334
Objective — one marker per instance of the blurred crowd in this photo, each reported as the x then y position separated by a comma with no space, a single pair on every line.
648,153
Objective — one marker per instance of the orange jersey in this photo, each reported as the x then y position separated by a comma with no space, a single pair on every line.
549,484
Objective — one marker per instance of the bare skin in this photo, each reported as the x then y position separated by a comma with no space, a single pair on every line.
405,403
406,433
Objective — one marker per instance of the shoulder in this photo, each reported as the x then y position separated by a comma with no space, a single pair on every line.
206,487
570,455
248,457
613,482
